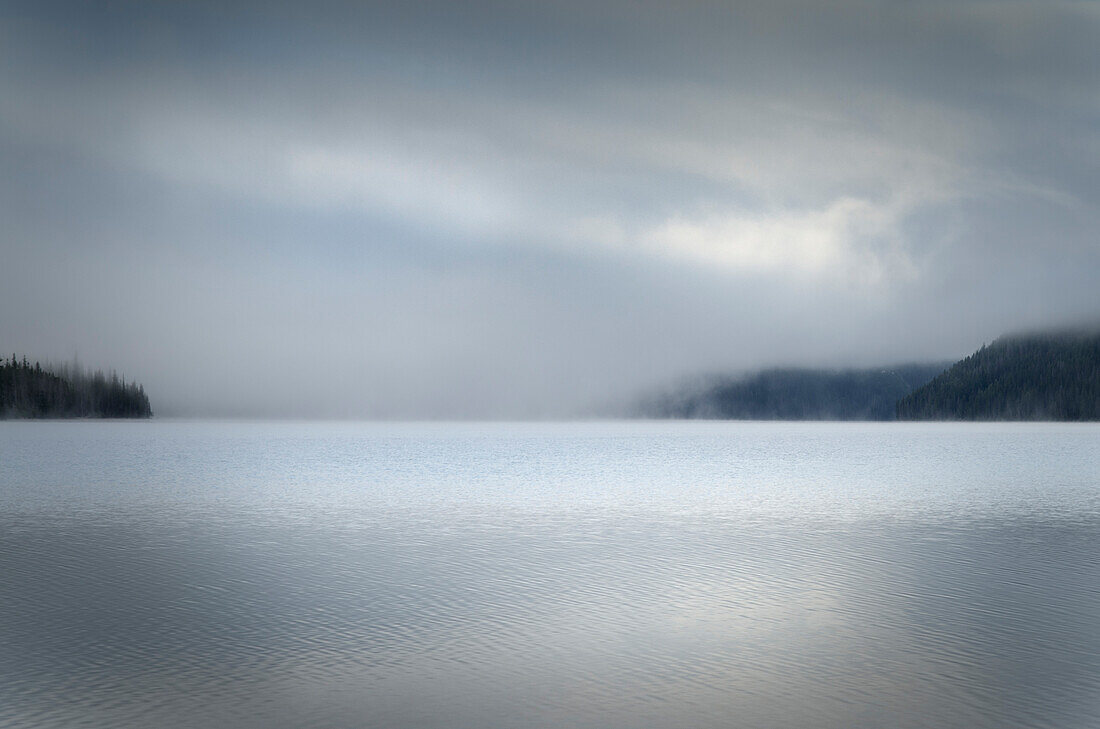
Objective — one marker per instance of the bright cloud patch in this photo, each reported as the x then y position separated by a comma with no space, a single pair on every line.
851,238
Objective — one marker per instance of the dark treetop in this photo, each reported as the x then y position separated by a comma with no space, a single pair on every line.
67,391
1050,376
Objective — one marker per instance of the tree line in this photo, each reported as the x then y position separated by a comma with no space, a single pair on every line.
798,394
1050,376
67,391
1043,376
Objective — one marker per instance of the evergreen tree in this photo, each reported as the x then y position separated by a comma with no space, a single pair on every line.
1051,376
64,392
799,394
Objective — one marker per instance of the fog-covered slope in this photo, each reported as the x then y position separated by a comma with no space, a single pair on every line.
1048,376
797,394
31,391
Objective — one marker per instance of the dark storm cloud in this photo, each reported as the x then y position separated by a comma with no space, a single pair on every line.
526,208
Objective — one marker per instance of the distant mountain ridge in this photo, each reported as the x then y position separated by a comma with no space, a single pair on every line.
1052,375
67,391
798,394
1040,376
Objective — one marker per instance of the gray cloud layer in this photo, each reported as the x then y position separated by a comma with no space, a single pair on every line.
515,209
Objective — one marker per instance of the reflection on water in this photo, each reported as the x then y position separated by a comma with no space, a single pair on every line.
466,605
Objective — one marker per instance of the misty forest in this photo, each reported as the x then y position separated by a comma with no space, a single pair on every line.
1053,376
1047,376
67,391
799,394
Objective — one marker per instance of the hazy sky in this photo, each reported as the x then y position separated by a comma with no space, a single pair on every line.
513,209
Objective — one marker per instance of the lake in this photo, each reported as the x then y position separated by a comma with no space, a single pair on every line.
603,574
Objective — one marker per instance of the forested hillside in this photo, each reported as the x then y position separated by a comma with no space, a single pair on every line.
31,391
1027,377
798,394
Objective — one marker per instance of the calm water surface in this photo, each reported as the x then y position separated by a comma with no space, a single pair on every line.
191,574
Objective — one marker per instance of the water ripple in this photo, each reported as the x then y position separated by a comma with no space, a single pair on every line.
142,611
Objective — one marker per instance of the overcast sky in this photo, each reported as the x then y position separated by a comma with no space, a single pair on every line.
526,209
